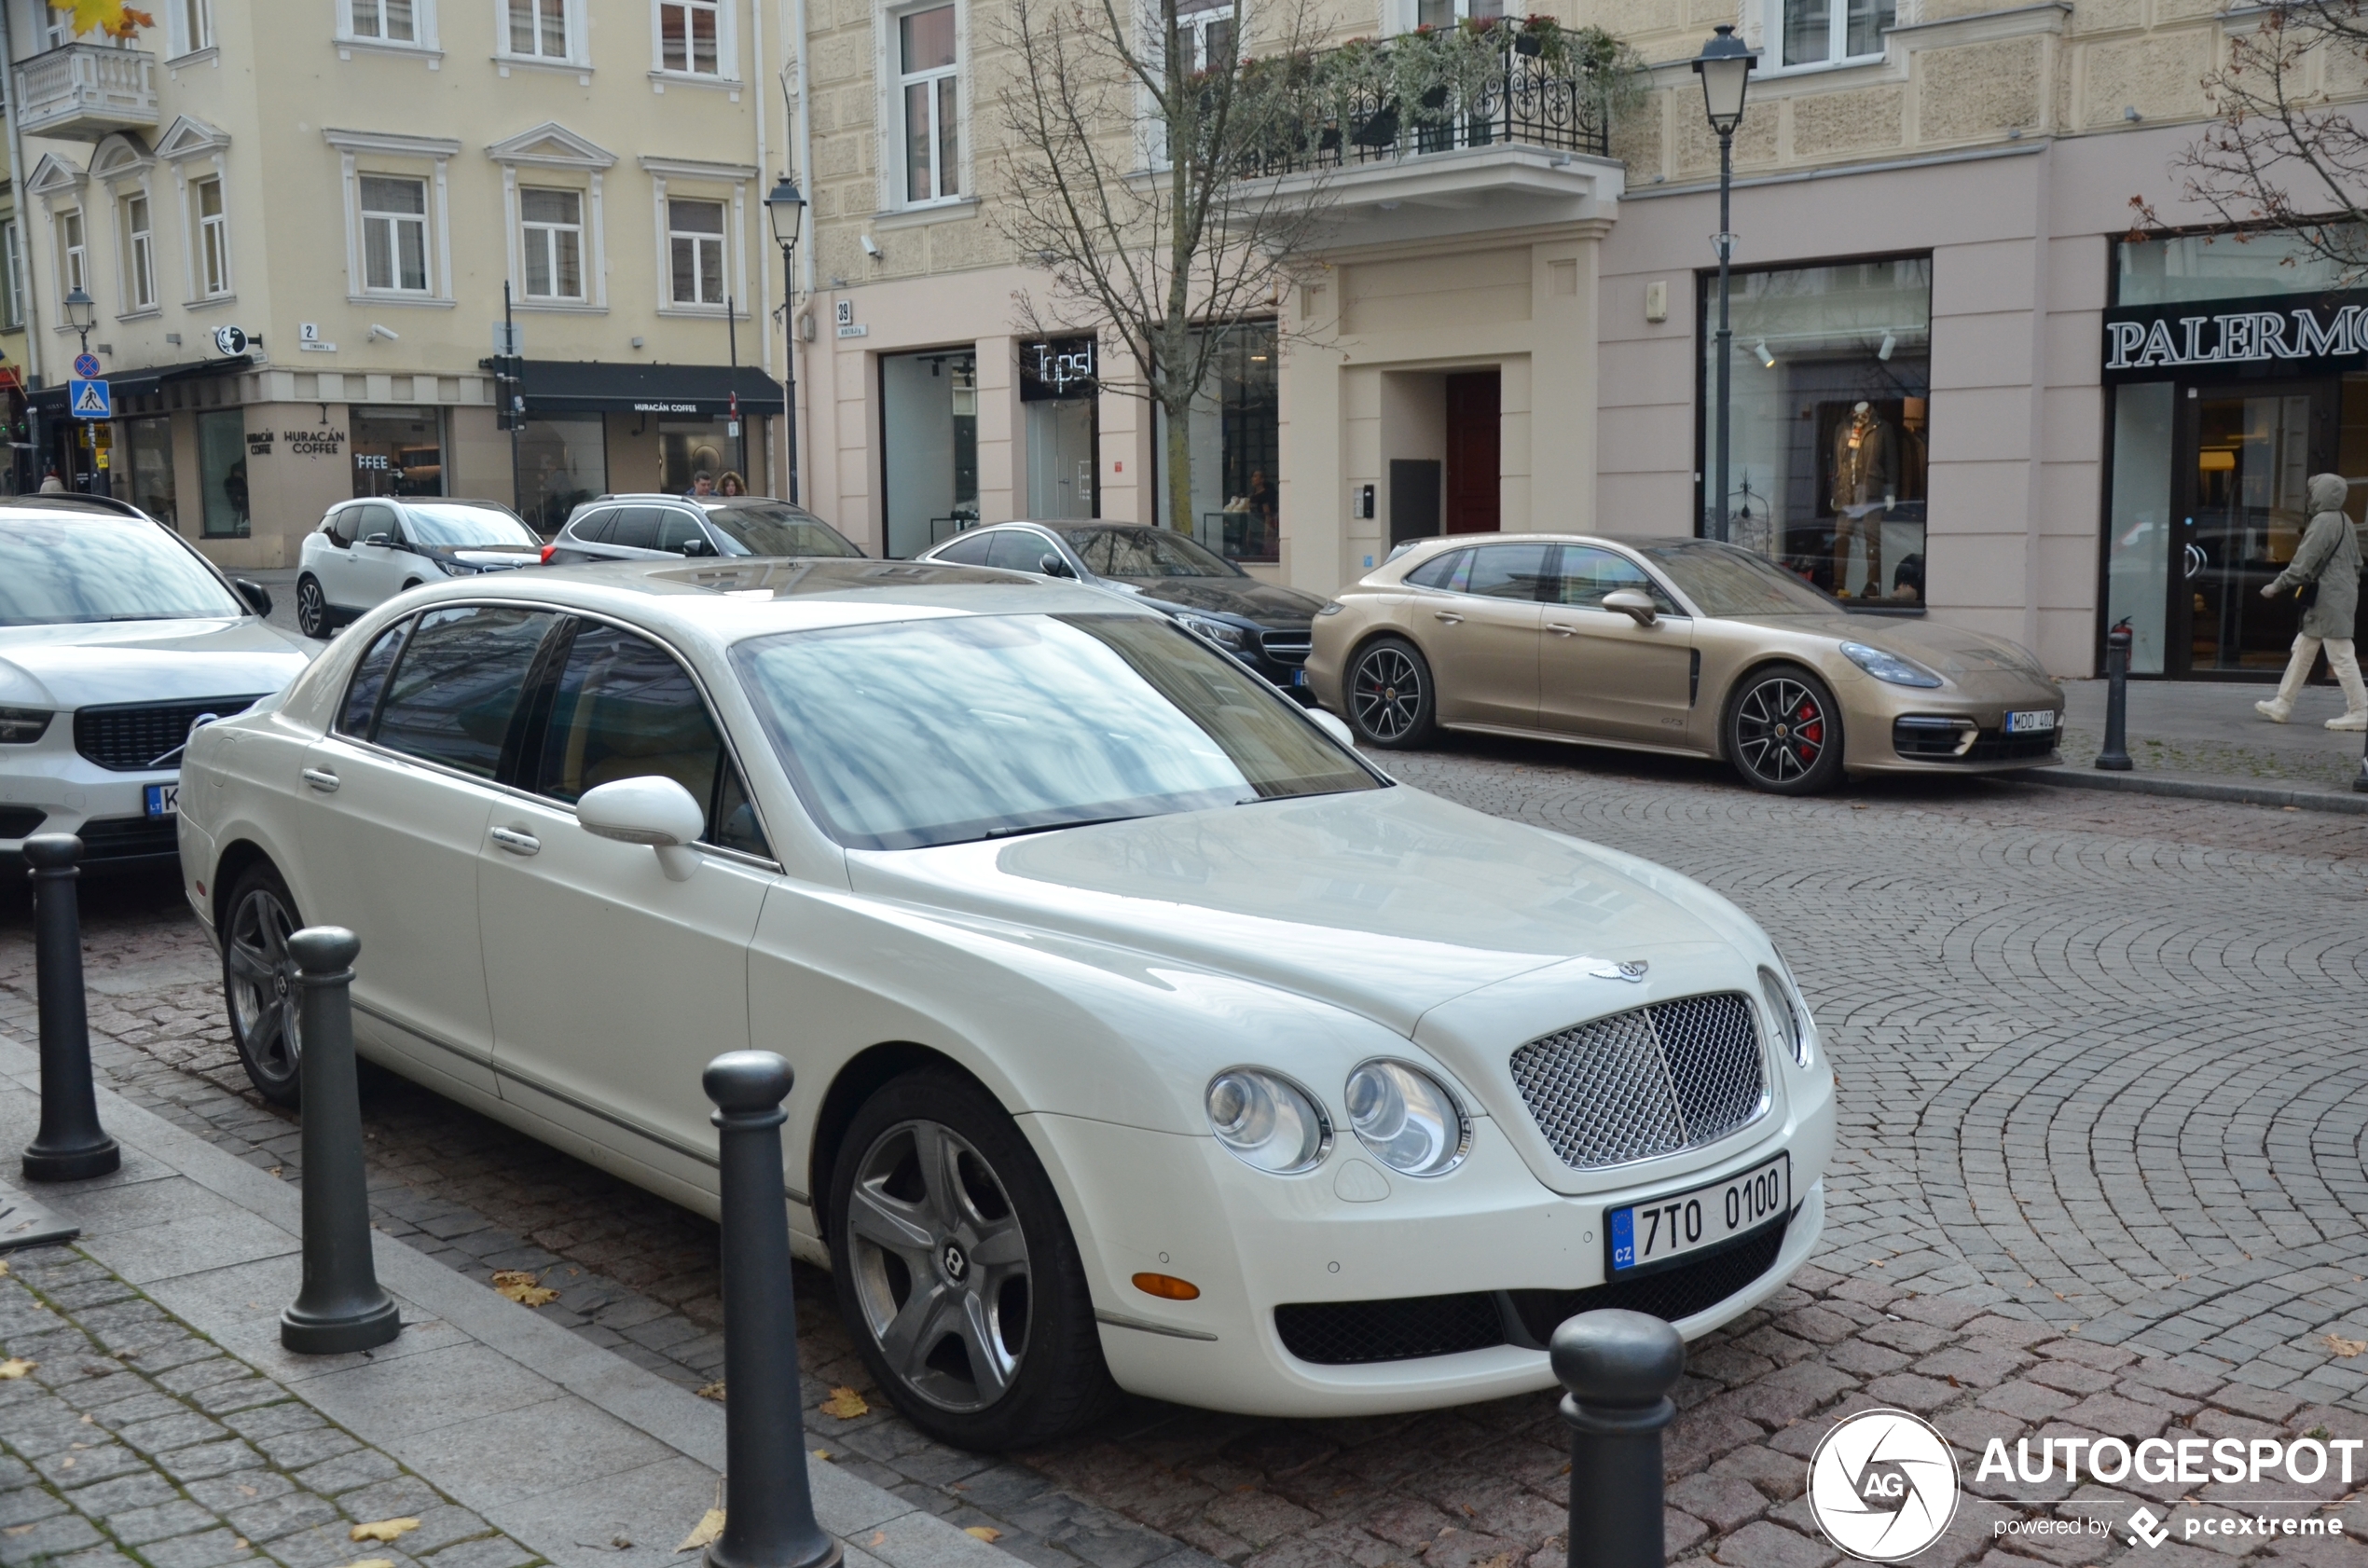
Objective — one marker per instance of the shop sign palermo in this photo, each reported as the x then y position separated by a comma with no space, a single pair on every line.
2231,340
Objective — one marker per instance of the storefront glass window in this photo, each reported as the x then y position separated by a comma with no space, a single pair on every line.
1831,422
1059,394
398,451
562,463
2221,266
928,447
1236,447
2138,549
148,462
690,447
222,469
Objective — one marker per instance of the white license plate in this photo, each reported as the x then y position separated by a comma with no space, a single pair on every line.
1643,1234
164,799
2029,724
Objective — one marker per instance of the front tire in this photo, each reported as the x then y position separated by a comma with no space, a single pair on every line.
1784,732
956,1270
258,981
312,608
1391,699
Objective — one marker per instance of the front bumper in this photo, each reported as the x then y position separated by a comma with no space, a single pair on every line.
1905,729
1489,1238
54,790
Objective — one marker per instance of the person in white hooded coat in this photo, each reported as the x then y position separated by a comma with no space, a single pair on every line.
2328,558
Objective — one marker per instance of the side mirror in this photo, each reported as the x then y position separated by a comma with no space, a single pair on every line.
1332,725
650,810
258,598
1052,565
1635,604
698,547
383,541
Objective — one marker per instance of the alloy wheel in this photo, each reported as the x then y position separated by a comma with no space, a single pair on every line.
1780,730
1386,694
312,610
263,993
941,1265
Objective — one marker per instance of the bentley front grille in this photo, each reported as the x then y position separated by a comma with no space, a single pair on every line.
1649,1081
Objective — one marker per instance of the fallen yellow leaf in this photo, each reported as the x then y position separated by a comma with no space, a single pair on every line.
984,1532
2345,1349
372,1562
712,1391
4,1268
711,1525
844,1404
523,1286
385,1531
15,1367
821,1453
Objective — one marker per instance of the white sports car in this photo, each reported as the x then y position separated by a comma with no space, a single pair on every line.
1146,1036
116,640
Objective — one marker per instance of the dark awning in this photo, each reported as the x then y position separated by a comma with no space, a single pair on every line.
597,387
125,385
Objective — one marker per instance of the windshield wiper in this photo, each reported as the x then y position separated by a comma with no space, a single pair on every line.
1016,829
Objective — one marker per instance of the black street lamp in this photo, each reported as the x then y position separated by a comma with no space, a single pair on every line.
82,313
1725,66
786,209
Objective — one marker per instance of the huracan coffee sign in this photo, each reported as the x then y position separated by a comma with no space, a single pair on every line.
2229,339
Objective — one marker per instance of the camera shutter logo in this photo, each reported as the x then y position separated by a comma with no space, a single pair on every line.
1883,1485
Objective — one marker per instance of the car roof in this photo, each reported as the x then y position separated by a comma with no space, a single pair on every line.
70,503
707,502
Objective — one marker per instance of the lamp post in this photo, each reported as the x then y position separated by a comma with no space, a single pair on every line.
1725,66
82,313
786,209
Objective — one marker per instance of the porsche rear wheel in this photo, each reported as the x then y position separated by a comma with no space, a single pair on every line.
1784,732
1391,701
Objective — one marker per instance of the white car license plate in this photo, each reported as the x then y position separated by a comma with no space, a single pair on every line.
1642,1234
2030,723
164,799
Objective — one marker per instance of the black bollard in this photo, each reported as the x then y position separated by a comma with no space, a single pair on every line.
341,1307
1618,1367
71,1144
769,1508
2114,757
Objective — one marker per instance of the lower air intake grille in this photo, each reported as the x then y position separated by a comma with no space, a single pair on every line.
1649,1081
1672,1294
130,737
122,838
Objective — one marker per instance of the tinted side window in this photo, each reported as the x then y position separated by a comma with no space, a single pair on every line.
370,678
595,528
375,520
678,529
636,529
1019,550
344,525
624,709
1447,570
1509,572
733,822
457,683
1588,573
968,552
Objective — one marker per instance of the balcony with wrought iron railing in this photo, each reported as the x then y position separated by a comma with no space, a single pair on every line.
84,91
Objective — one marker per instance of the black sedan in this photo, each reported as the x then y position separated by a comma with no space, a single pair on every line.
1263,624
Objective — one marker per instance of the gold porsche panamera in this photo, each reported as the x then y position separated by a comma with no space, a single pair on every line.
1674,645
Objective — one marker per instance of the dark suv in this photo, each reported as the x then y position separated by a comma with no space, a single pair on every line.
653,526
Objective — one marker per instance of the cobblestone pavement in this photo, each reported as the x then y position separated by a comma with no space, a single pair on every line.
134,1440
2103,1092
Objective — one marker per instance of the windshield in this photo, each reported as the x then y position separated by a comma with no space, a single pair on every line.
776,530
947,730
464,526
1725,580
56,570
1146,552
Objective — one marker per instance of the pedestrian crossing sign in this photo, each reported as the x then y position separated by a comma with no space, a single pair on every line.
90,401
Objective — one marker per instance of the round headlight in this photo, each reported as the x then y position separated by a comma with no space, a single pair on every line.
1407,1119
1267,1121
1792,1027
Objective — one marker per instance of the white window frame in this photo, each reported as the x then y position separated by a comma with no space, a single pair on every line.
73,251
727,61
213,278
1771,43
139,253
549,238
701,239
894,80
12,315
398,157
198,152
689,180
546,147
190,28
423,41
388,225
575,52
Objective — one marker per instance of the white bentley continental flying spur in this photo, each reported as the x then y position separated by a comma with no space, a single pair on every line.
1146,1036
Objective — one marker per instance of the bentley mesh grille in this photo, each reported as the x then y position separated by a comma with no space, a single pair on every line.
1648,1082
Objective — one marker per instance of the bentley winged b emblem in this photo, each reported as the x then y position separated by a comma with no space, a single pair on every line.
1630,970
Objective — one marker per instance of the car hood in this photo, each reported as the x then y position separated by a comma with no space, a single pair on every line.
1386,902
489,558
1956,651
69,667
1266,603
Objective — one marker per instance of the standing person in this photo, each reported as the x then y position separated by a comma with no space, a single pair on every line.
2326,567
730,484
702,485
51,483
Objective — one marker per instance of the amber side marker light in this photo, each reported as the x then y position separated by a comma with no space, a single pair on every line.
1167,1287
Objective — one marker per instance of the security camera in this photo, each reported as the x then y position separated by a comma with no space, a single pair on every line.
386,332
871,247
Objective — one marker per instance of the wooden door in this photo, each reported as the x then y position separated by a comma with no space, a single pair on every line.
1474,442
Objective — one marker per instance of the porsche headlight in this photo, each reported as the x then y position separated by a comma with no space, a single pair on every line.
1270,1124
1407,1119
1795,1029
1229,637
1889,667
22,726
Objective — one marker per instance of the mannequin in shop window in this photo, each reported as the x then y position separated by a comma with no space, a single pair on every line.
1866,486
2325,572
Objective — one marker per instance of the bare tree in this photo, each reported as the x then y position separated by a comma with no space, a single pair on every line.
2284,153
1122,171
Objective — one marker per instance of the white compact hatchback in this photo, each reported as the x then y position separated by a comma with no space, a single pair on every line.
365,551
1146,1036
117,640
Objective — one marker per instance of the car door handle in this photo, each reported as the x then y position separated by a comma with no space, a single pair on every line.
1561,631
516,843
321,779
1449,617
